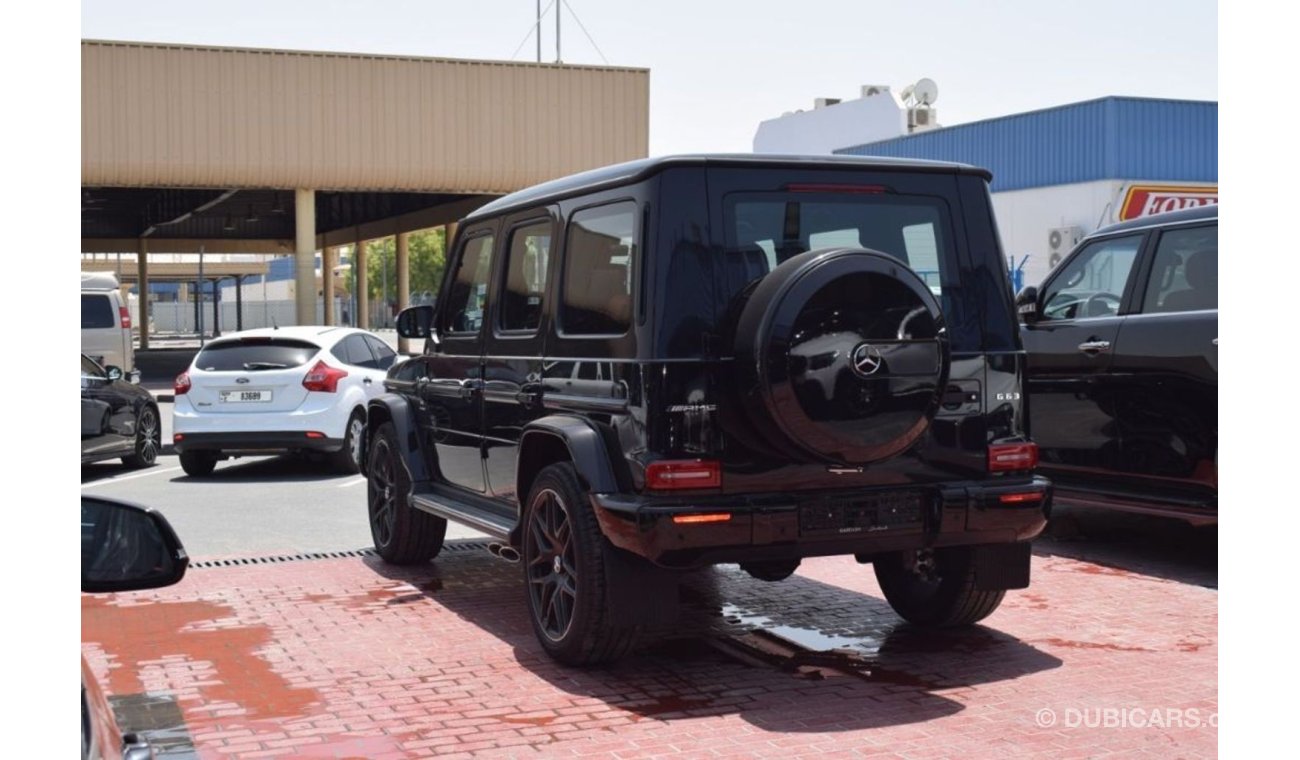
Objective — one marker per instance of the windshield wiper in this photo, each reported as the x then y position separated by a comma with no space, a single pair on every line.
265,365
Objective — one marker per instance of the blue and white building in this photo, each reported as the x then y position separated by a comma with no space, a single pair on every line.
1060,173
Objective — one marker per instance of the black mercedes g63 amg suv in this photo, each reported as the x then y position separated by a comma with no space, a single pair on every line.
684,361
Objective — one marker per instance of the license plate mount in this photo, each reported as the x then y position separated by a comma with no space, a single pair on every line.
863,514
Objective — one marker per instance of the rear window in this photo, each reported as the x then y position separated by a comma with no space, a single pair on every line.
96,312
765,229
255,354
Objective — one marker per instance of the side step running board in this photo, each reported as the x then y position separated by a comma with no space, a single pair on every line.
465,512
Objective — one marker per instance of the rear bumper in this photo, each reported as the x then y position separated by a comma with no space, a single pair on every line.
254,442
781,526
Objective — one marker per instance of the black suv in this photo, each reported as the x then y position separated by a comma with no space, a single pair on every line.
685,361
1123,372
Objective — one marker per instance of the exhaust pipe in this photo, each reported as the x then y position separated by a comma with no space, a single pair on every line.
502,551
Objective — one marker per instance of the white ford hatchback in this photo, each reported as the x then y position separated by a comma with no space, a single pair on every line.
279,389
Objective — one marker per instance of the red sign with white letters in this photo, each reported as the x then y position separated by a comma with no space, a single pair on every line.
1145,200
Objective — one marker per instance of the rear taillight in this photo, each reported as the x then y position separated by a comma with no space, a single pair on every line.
181,385
323,378
1005,457
678,474
125,314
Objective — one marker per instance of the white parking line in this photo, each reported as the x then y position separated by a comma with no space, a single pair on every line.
121,478
353,482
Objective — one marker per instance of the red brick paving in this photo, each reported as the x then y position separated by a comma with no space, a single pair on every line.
351,658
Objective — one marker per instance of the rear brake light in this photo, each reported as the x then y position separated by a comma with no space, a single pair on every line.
1004,457
315,434
181,385
834,188
125,314
323,378
670,475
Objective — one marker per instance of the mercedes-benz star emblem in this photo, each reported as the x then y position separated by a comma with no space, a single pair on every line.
865,360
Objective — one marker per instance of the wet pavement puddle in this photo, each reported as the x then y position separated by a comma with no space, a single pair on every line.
807,652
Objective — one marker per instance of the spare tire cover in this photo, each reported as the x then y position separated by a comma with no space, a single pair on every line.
842,354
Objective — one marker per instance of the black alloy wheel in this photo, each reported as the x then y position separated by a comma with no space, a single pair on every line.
148,439
551,569
403,535
935,587
382,493
565,561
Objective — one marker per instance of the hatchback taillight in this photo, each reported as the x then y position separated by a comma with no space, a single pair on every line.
1005,457
181,385
323,378
125,314
678,474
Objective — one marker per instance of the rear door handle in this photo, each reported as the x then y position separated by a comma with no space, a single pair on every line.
1093,347
530,394
470,386
366,380
454,388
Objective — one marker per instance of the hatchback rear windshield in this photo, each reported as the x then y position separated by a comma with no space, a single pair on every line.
253,354
765,229
96,312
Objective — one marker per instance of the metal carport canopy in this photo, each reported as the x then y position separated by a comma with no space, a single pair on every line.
181,116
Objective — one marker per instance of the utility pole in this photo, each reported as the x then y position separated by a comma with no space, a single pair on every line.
558,3
537,29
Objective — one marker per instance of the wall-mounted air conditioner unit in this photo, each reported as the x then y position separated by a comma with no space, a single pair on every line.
1060,241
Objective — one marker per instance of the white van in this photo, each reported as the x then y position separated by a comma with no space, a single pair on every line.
106,322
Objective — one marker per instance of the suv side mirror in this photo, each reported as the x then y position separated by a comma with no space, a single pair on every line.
415,322
127,548
1027,305
113,373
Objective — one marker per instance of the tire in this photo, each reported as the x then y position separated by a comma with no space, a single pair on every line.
347,460
198,464
564,573
841,357
771,571
148,439
403,535
935,588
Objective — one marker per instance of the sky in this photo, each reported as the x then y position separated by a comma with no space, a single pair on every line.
719,68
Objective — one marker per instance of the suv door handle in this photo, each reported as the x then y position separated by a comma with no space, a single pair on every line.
366,380
1094,347
456,388
469,386
530,394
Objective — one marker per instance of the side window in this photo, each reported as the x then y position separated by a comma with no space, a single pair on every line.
96,312
1092,283
384,355
90,369
353,350
527,263
469,286
600,258
1185,273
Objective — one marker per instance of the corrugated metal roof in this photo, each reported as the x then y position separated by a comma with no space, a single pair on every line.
1109,138
212,117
